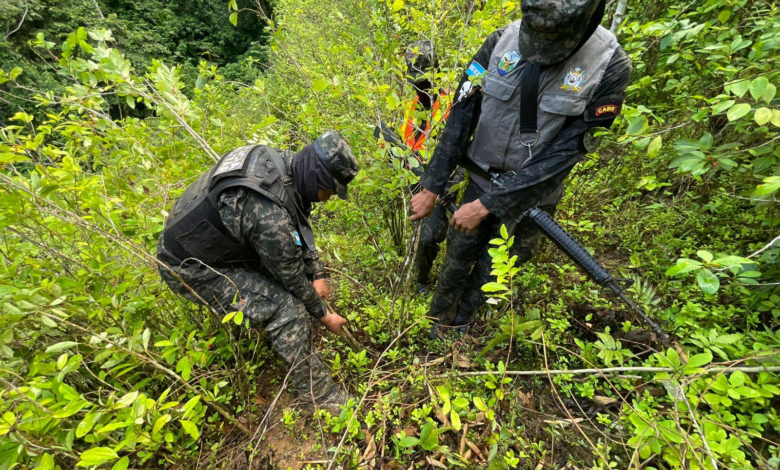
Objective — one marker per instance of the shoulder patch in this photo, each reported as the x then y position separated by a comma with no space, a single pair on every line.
603,109
475,70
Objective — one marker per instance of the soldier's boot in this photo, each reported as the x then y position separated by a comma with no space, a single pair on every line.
462,322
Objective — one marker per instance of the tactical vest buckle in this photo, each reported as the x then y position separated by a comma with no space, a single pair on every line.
529,144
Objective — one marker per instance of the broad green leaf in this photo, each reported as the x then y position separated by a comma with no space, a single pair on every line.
47,462
637,126
708,282
480,404
724,16
494,287
737,111
771,184
738,88
229,316
408,441
654,147
460,402
70,409
776,118
455,420
758,87
705,255
239,318
121,464
158,425
770,93
504,232
97,456
234,18
763,116
319,85
61,346
698,361
722,106
146,336
126,400
190,428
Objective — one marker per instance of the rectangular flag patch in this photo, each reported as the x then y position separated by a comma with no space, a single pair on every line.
475,70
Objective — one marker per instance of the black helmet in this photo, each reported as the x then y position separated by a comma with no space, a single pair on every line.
420,60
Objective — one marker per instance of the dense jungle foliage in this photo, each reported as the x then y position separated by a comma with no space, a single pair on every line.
181,32
103,367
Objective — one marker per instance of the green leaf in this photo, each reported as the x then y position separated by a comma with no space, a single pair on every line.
460,402
724,105
655,147
190,428
771,184
319,85
494,287
121,464
763,116
776,118
408,441
738,88
455,420
145,337
61,346
724,16
234,18
704,255
637,126
480,404
126,400
770,93
697,361
708,282
97,456
229,316
158,425
737,111
47,462
239,318
504,232
758,87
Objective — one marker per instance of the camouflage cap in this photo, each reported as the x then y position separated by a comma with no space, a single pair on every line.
420,59
552,29
334,153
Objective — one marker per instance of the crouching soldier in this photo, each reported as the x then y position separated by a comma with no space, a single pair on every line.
239,239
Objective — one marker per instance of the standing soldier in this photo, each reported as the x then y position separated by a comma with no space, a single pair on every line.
529,97
421,67
239,239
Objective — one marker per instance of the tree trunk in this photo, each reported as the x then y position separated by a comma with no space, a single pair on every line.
620,11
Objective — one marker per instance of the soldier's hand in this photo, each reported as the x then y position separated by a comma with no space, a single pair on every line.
321,286
422,204
469,216
333,322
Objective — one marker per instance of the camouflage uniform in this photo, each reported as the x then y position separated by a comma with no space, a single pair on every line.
584,89
433,233
273,285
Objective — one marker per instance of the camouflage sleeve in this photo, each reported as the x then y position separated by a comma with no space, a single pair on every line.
524,190
313,263
268,228
462,121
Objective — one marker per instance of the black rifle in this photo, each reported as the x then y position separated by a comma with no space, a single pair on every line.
547,224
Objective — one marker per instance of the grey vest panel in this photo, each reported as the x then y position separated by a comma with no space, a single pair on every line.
195,229
564,90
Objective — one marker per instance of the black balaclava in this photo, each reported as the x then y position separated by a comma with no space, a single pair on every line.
309,175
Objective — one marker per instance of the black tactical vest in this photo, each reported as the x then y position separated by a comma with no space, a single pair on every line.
195,230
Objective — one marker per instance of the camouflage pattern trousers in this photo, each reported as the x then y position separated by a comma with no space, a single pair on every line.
432,234
266,304
468,264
